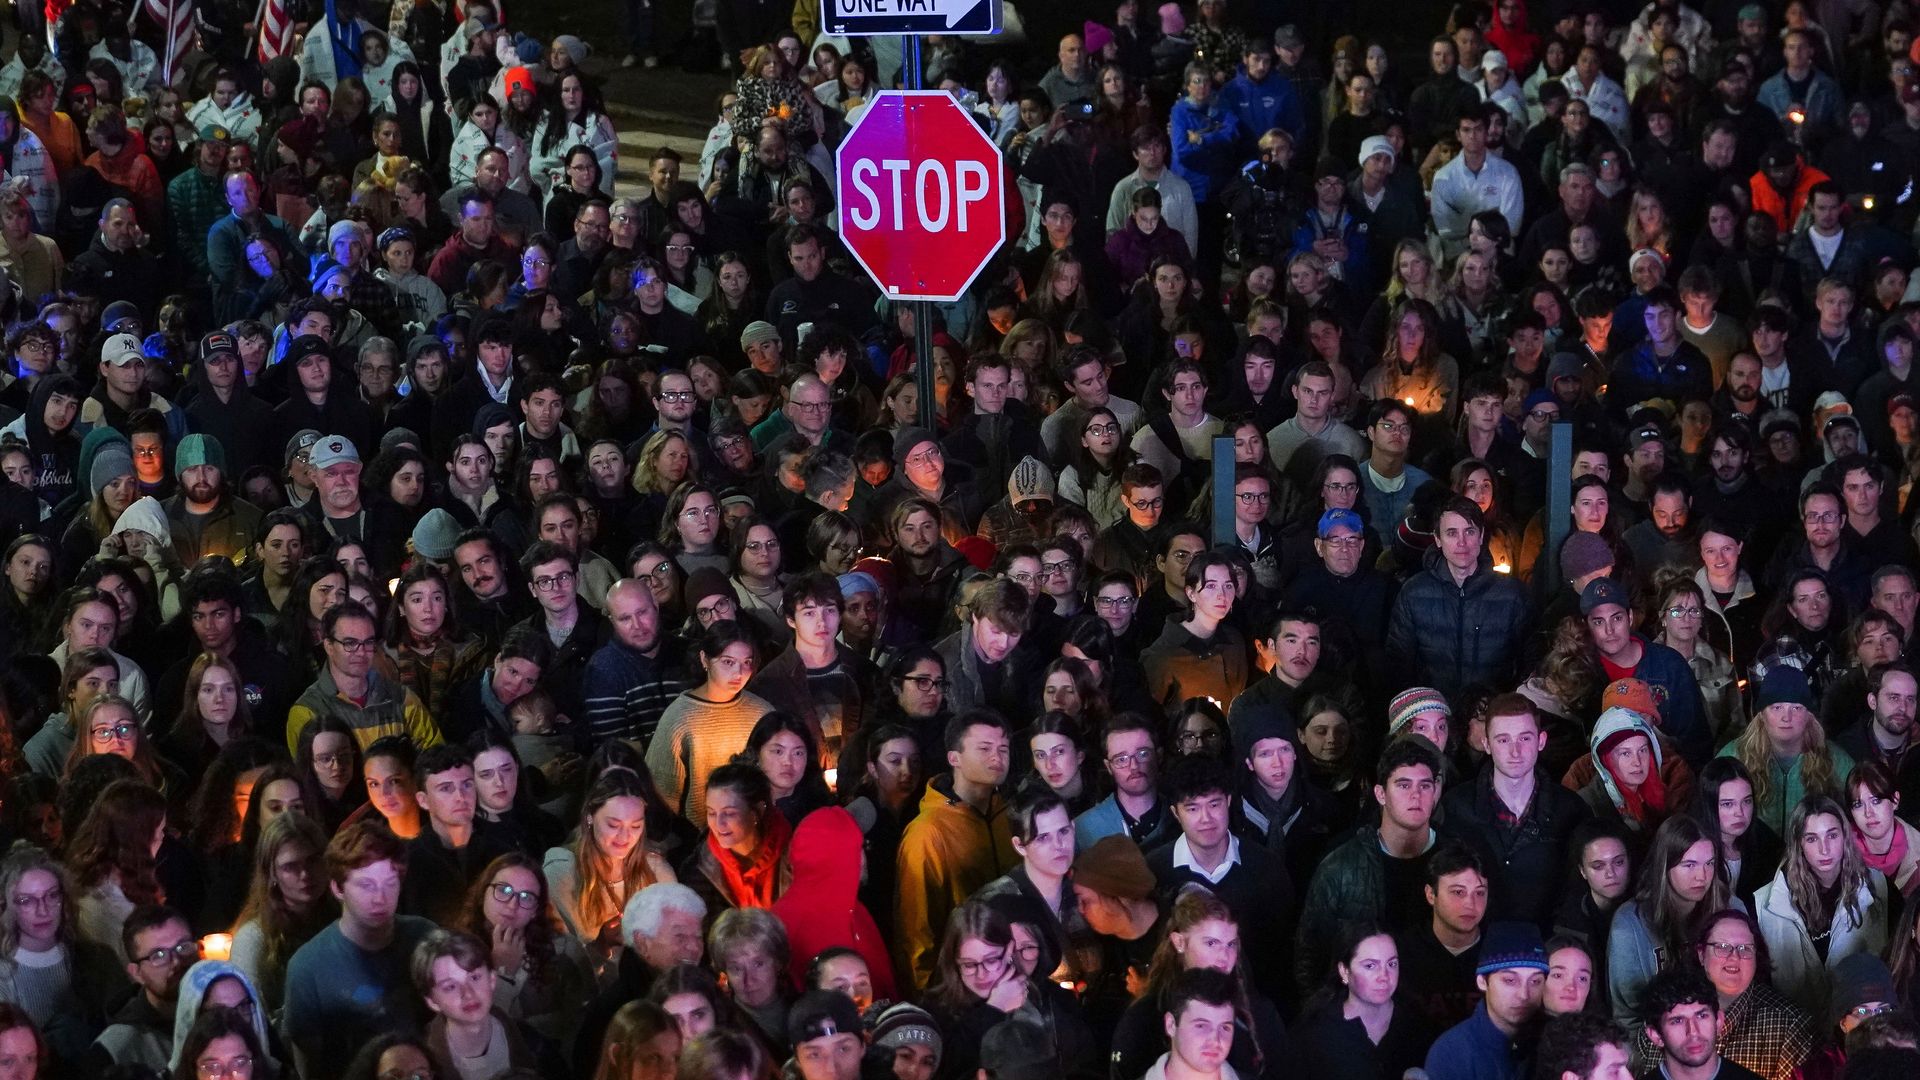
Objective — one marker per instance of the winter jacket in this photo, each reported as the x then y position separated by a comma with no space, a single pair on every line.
1451,636
1180,666
1787,783
949,851
783,683
1639,375
1525,859
1104,819
1634,958
1131,251
1208,164
1825,105
822,909
1350,883
1798,970
594,129
390,709
966,689
228,532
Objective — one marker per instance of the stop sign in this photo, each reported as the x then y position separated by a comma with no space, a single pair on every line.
922,199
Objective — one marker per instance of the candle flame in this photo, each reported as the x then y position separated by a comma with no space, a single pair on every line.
216,947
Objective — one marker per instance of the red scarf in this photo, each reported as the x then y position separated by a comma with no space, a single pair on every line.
1889,863
754,881
1650,797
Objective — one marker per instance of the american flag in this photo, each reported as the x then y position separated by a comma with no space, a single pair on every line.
276,29
175,20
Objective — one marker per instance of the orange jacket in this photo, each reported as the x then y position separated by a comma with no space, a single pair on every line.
1784,211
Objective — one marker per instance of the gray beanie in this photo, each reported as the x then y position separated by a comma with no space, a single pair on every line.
435,534
114,460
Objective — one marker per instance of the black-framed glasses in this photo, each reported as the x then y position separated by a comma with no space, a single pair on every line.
1140,758
121,732
521,898
555,581
354,645
925,683
1727,950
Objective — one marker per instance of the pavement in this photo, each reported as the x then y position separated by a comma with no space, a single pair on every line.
651,107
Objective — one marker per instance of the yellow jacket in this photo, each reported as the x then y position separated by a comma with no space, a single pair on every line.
948,852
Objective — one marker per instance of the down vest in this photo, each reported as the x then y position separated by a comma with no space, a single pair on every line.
1450,636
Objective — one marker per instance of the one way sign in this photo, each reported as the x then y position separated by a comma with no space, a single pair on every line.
868,17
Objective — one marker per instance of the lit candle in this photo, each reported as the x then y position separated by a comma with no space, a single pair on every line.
393,586
216,946
1502,568
833,778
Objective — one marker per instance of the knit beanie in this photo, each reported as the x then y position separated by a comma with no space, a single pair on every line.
704,583
1511,945
1260,724
1031,481
198,449
1633,694
112,462
1582,554
1783,684
401,437
905,1024
435,535
576,50
1410,703
906,439
1113,866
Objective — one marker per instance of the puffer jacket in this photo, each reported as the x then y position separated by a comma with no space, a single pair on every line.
1451,636
1350,883
949,851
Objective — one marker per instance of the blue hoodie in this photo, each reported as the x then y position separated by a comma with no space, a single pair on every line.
1264,105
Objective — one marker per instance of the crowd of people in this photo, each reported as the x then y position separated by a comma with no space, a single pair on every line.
459,624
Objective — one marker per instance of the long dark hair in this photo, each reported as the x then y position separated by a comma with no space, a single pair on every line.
541,932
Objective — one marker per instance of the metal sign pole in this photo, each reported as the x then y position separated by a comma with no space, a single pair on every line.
911,77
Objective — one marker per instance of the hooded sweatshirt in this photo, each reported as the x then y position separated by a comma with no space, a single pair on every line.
822,908
1633,807
56,455
193,990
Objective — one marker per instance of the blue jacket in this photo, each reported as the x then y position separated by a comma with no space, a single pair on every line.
1261,106
1639,375
1356,271
1473,1049
1206,166
1683,714
1103,819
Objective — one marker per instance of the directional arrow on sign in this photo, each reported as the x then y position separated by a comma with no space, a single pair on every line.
859,18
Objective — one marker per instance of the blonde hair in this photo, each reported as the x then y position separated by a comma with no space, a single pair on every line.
1755,751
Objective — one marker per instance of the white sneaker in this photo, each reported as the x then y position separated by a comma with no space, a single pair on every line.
629,60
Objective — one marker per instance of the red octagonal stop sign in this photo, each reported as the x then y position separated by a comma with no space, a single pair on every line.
922,198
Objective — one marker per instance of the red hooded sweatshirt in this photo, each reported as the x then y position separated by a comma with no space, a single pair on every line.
822,909
1521,45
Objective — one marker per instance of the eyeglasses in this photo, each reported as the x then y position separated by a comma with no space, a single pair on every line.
973,969
1053,569
238,1065
1148,505
760,547
122,732
1023,578
727,442
1113,602
1343,543
146,451
1028,952
680,248
1139,759
536,264
186,950
1727,950
1392,427
507,894
1341,489
333,760
354,645
1544,414
1103,429
1829,517
1251,498
1199,738
925,683
549,584
49,901
1684,613
710,612
812,406
700,511
925,458
679,397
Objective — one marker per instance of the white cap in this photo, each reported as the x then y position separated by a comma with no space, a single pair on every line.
1377,144
1493,59
121,350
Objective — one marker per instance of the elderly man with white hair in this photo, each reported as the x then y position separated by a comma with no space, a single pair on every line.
661,929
